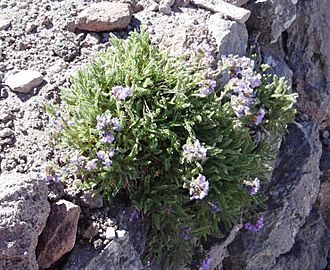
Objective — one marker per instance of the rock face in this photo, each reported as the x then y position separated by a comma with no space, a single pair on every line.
308,51
23,213
59,235
118,254
231,37
292,193
270,18
24,81
104,16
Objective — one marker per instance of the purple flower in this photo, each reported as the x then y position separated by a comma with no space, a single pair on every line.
255,227
104,122
208,87
215,207
48,173
120,93
199,187
259,116
194,151
255,81
101,155
91,165
105,158
134,214
185,233
252,186
107,162
115,123
107,137
203,50
205,263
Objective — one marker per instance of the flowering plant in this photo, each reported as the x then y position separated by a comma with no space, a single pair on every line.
179,142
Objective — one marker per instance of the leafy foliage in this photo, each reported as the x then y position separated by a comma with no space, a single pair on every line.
166,106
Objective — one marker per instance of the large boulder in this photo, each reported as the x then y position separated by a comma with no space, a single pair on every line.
231,37
308,55
292,193
59,235
23,213
104,16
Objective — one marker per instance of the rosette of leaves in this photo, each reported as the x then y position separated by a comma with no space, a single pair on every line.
166,109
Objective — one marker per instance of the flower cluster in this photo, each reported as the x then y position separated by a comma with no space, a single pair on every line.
106,126
105,157
194,151
205,263
252,186
208,87
255,227
120,92
199,187
57,124
243,81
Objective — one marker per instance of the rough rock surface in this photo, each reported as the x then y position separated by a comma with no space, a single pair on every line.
231,37
59,235
292,193
270,18
24,81
104,16
23,213
308,51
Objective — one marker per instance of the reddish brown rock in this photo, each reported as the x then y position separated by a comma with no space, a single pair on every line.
59,235
104,16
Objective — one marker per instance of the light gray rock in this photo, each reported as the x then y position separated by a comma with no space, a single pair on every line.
104,16
227,10
165,6
4,24
237,3
110,233
6,132
59,235
24,81
119,254
23,213
231,37
292,193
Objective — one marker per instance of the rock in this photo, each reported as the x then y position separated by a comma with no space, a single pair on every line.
182,3
59,235
6,132
292,192
231,37
23,213
92,200
308,52
91,231
110,233
24,81
4,24
227,10
104,16
237,3
270,18
121,233
91,39
119,254
165,6
66,47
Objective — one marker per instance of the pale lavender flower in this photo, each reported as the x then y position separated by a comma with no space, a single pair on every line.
199,187
48,173
203,49
107,162
252,186
107,137
71,123
120,92
255,227
115,123
105,158
194,151
104,122
101,155
255,81
259,116
205,263
208,87
215,207
91,164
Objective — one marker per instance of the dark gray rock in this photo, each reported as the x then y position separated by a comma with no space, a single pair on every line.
292,192
270,18
308,50
23,213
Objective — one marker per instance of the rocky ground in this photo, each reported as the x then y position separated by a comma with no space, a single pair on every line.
43,42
